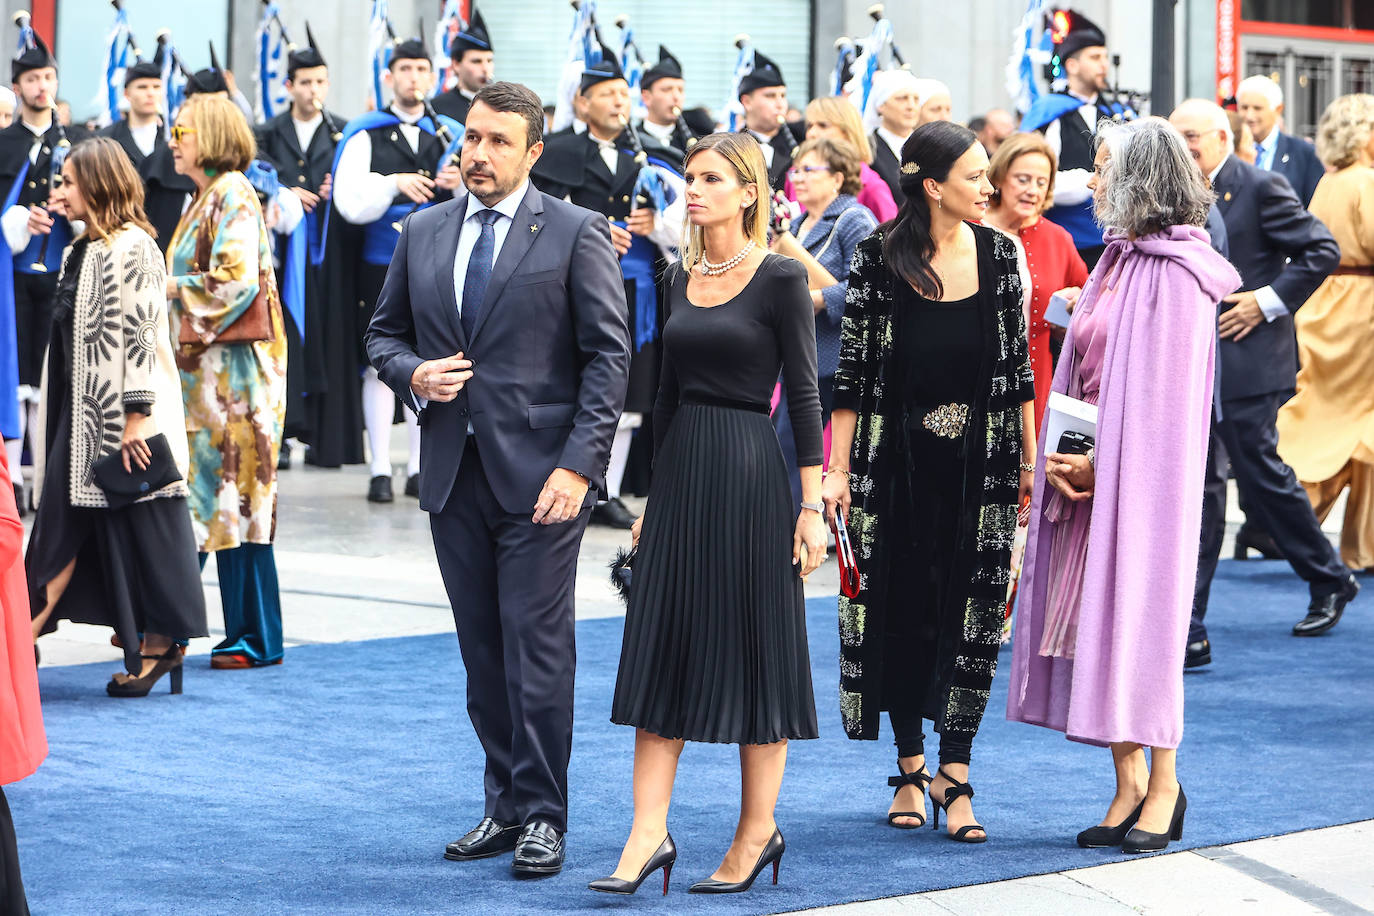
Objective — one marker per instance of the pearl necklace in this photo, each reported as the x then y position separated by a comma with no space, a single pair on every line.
709,269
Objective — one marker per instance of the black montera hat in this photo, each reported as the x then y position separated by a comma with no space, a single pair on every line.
668,67
309,56
608,68
764,75
472,38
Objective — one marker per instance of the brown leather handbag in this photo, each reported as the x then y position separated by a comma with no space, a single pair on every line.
256,321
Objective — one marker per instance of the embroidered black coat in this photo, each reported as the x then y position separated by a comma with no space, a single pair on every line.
968,656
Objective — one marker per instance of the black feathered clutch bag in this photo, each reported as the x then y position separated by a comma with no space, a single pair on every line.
622,571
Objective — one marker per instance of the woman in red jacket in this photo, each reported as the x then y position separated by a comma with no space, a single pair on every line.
23,743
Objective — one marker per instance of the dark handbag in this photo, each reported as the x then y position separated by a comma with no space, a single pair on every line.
256,321
125,487
622,571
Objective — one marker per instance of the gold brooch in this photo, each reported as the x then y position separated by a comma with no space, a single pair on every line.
910,168
947,421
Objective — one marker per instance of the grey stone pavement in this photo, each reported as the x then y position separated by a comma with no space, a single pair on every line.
351,570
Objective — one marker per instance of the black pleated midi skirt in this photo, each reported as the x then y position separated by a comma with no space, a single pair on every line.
715,634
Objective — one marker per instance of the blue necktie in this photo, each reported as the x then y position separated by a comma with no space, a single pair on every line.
479,272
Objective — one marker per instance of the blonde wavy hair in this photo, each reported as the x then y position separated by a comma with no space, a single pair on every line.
841,114
224,141
1031,143
1344,129
746,161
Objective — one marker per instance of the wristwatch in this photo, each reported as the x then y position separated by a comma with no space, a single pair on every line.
814,507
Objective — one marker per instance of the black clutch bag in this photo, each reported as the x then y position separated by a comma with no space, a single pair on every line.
124,487
622,572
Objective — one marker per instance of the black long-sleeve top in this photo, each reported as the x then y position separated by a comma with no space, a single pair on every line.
731,354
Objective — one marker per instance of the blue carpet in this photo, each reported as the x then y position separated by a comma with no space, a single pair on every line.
331,784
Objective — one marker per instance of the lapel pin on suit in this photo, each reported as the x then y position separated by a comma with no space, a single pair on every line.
534,227
1226,196
1285,157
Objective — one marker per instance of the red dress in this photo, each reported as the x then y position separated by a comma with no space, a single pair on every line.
23,743
1054,264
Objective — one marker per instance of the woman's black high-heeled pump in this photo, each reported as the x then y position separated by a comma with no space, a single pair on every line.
1141,841
1103,837
663,858
956,791
772,852
918,778
140,686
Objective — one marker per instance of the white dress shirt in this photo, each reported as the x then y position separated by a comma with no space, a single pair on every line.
472,230
610,154
1071,185
361,195
893,141
1268,300
15,222
765,144
145,137
305,131
663,133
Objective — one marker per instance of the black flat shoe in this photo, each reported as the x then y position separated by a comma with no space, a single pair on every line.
1196,655
379,490
488,838
20,503
284,458
141,686
772,852
1104,837
956,790
1325,612
920,779
663,858
539,851
613,514
1250,538
1140,841
413,486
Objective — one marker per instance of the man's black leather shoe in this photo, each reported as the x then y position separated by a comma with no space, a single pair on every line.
1250,537
539,850
379,490
1198,654
489,838
613,514
413,486
1325,612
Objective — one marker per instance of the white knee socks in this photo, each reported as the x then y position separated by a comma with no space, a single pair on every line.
620,452
379,408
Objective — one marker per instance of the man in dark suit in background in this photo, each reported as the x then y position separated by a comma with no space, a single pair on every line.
1259,100
502,320
1283,254
474,63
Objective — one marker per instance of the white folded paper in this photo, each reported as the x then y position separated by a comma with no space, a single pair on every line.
1057,311
1066,414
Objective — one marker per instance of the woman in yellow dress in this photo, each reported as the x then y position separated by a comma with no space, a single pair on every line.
1326,432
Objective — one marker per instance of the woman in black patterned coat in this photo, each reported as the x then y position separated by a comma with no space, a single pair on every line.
932,444
109,385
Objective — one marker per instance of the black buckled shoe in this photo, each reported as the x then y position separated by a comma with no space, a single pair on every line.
379,490
1325,612
613,514
1197,654
489,838
539,851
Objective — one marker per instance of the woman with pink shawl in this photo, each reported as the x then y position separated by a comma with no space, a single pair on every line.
1112,554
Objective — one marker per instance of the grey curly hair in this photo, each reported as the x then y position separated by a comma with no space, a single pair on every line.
1344,129
1150,181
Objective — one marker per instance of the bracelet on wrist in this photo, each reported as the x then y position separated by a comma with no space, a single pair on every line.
814,507
1027,468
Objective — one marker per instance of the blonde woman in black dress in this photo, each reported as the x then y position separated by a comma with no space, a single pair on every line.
715,635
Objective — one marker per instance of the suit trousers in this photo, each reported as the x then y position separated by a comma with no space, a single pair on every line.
1246,435
510,583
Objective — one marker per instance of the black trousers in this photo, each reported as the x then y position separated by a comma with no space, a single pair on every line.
33,304
12,900
1246,435
510,583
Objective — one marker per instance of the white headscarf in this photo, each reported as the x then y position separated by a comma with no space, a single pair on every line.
887,83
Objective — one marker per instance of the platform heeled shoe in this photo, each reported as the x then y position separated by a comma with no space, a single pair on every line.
1141,841
956,791
663,858
772,852
1103,837
171,661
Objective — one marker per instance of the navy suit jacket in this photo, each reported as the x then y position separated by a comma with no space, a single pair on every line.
1297,161
550,346
1274,242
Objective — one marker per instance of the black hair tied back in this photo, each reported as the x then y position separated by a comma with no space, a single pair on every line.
930,152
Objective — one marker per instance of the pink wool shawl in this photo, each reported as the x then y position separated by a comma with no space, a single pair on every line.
1125,680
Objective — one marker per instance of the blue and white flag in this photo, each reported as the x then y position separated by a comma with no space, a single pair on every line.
632,65
445,30
119,55
583,48
173,80
875,53
270,69
744,65
844,60
1031,49
378,52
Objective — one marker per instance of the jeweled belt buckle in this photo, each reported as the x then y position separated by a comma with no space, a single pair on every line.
947,421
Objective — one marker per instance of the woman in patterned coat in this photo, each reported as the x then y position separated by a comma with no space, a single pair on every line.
234,391
932,441
109,385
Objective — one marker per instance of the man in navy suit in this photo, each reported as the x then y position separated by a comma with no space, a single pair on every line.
502,320
1259,101
1283,254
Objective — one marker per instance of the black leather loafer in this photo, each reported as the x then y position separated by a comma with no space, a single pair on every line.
539,851
1325,612
379,490
613,514
1196,655
489,838
413,486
